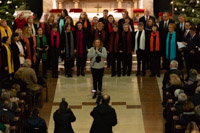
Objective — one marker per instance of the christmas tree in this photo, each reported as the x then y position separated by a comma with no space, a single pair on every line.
8,7
191,9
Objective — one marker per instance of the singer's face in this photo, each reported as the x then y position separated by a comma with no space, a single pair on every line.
97,43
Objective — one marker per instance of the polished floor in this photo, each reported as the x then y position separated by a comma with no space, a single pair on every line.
137,101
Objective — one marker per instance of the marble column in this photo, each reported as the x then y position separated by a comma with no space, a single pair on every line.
76,3
119,3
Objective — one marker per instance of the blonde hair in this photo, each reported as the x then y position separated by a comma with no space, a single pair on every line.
18,30
25,31
192,126
101,43
100,24
173,25
86,16
1,21
51,15
174,80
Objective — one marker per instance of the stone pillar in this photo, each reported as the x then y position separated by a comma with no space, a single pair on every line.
57,5
60,5
119,3
76,3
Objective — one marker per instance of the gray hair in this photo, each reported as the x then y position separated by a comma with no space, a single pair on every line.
174,64
197,90
182,97
27,63
177,92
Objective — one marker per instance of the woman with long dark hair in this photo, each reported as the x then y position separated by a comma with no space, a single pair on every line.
97,54
67,49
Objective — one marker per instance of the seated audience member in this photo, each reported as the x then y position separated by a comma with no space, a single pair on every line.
192,128
104,116
188,114
5,111
63,118
173,70
177,92
27,74
35,123
179,104
196,97
191,82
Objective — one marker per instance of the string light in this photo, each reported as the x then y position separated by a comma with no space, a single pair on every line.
197,1
16,6
7,12
183,9
193,10
9,2
171,2
175,9
0,1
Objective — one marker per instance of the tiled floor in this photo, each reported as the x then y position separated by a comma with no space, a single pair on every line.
136,100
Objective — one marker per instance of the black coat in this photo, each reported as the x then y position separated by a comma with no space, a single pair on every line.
192,43
104,118
195,99
63,121
16,53
35,122
163,34
179,33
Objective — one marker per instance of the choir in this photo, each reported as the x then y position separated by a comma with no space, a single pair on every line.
60,37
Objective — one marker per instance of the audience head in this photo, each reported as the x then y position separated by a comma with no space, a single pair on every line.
79,25
15,37
63,106
192,128
173,64
64,13
155,28
3,23
197,90
111,19
140,26
177,92
197,111
171,27
27,63
181,18
182,97
188,106
165,16
126,27
187,25
35,112
105,99
5,95
97,43
5,40
7,104
105,13
174,80
193,73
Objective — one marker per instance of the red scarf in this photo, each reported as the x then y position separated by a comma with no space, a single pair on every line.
116,42
20,24
79,43
129,47
110,29
57,40
157,45
42,24
103,35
